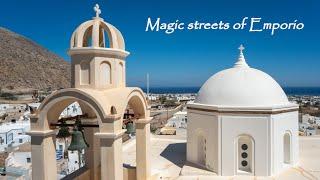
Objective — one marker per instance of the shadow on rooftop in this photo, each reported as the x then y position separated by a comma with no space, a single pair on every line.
176,153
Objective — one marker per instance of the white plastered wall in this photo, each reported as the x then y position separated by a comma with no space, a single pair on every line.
256,126
282,123
208,124
95,72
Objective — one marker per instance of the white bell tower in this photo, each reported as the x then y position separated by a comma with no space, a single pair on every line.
97,52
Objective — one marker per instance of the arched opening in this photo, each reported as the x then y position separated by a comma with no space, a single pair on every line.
136,122
105,73
135,110
105,32
94,116
71,162
103,37
201,149
65,154
87,37
245,154
84,73
138,105
287,148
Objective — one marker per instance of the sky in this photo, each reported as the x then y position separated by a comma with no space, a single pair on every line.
184,58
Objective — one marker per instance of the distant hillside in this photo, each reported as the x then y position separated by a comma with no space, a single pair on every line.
26,65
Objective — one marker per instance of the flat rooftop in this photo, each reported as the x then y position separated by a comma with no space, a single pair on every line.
168,160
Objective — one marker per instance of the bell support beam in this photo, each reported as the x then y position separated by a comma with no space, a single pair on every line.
143,148
42,152
111,155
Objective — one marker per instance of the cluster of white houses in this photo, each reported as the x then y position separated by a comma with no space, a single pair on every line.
309,125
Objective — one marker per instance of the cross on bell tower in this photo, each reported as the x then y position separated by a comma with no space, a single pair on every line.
97,9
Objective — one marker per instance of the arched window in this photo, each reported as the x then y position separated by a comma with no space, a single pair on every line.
120,73
105,73
84,73
287,148
245,154
202,148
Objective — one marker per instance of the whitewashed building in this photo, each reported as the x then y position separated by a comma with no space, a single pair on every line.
242,123
304,126
4,107
13,134
310,131
179,120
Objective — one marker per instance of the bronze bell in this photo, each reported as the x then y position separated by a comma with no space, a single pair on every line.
63,132
130,128
77,142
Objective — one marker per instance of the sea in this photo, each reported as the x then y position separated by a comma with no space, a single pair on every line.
312,91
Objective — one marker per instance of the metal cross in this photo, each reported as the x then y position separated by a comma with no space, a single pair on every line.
241,48
97,10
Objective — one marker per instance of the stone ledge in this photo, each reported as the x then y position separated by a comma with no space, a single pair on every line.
144,121
44,133
116,135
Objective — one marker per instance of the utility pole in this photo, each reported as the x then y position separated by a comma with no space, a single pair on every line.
148,86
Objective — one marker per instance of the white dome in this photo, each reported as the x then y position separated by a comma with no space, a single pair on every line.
241,86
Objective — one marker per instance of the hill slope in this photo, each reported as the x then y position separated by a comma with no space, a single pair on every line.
26,65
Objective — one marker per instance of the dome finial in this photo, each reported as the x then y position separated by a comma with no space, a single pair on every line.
241,60
97,9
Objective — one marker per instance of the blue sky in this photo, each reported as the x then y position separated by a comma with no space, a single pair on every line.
183,58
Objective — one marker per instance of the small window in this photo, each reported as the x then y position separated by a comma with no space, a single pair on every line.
10,137
287,148
113,110
245,148
28,160
20,141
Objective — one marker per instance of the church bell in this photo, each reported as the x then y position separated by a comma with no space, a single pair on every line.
63,132
130,128
77,142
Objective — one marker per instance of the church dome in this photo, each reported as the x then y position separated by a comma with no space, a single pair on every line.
97,33
241,86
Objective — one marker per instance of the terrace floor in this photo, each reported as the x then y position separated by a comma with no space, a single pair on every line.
168,160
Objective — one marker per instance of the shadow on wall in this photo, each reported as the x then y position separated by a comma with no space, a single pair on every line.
176,153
